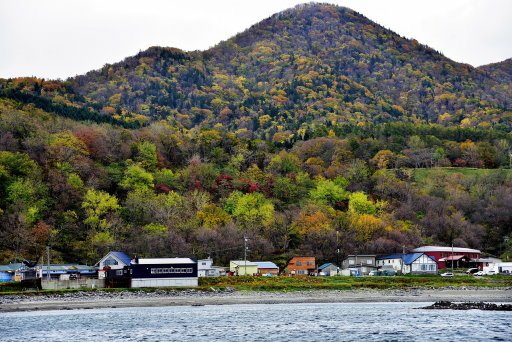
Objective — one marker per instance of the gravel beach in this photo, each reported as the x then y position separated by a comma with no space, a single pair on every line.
101,299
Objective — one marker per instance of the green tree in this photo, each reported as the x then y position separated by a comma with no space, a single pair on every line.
98,205
284,163
146,155
329,192
359,203
136,177
251,210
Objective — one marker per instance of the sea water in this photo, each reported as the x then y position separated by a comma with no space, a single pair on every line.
260,322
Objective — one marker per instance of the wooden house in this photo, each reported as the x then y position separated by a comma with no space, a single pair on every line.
301,266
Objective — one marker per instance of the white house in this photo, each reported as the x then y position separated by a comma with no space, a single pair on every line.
205,268
414,263
113,261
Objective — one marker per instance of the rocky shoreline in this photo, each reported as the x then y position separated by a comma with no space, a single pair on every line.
447,305
229,296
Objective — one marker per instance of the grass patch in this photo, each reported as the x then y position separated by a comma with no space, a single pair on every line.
287,284
348,283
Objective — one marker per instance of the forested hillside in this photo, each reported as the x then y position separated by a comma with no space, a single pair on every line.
312,131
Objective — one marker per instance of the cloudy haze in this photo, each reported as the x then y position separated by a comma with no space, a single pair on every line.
63,38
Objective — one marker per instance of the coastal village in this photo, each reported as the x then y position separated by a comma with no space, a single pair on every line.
119,270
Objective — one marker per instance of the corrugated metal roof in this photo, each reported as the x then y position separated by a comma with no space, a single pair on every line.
411,257
455,257
325,265
490,260
11,267
243,263
266,264
425,249
159,261
390,256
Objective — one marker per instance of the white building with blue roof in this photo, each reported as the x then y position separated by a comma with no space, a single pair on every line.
112,261
411,263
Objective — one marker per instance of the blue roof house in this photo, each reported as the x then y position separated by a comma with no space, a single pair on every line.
411,263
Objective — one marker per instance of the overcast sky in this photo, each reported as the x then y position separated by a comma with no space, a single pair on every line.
63,38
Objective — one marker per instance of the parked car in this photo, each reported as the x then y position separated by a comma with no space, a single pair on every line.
472,270
372,273
447,274
479,273
490,272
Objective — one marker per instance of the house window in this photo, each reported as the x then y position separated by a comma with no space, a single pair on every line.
432,267
309,263
301,272
110,261
203,263
299,263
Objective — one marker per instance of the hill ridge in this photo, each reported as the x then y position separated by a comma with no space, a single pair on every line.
313,64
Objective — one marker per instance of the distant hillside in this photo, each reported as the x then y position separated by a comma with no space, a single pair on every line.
501,72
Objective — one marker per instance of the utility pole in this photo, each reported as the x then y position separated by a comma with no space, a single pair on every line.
360,268
245,254
452,256
48,259
337,253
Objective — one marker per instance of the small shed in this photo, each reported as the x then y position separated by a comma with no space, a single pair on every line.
267,268
328,269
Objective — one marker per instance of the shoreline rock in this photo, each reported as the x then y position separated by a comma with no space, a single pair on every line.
447,305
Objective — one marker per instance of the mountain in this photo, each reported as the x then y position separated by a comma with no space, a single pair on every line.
312,127
315,64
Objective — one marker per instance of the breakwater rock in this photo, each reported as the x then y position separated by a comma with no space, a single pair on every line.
469,306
